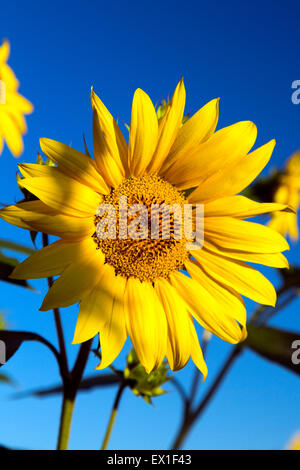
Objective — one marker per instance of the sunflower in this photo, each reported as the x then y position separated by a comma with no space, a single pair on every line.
13,106
152,290
288,192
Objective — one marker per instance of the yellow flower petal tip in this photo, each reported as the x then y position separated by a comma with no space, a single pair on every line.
44,308
135,286
288,192
13,106
76,341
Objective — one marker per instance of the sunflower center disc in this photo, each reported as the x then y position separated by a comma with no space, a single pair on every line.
158,246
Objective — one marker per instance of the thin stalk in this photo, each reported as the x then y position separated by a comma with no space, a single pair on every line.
113,416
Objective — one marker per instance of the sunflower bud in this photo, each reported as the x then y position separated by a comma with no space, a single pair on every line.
141,383
162,108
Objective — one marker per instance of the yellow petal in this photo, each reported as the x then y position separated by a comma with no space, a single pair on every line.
51,260
286,224
293,226
75,282
179,335
234,178
64,194
275,260
29,170
232,303
240,207
11,135
168,128
146,323
143,133
10,80
17,118
196,351
206,308
96,307
194,132
4,51
19,102
113,334
68,228
238,275
230,233
282,194
291,181
110,147
18,213
293,164
222,149
75,164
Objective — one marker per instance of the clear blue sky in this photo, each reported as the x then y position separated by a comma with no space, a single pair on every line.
245,52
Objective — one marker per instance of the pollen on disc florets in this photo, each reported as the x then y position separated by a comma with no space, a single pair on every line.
146,259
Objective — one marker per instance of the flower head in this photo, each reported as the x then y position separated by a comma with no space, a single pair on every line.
13,106
288,192
152,288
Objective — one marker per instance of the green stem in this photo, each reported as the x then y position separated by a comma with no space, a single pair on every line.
71,385
65,423
113,416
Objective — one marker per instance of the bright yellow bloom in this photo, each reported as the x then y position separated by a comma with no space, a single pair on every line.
295,442
13,106
288,193
137,287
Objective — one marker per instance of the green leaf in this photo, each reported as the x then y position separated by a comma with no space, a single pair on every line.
14,339
6,379
7,263
162,109
279,346
8,245
2,322
104,380
39,159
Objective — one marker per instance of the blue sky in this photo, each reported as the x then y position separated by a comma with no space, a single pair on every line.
246,53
